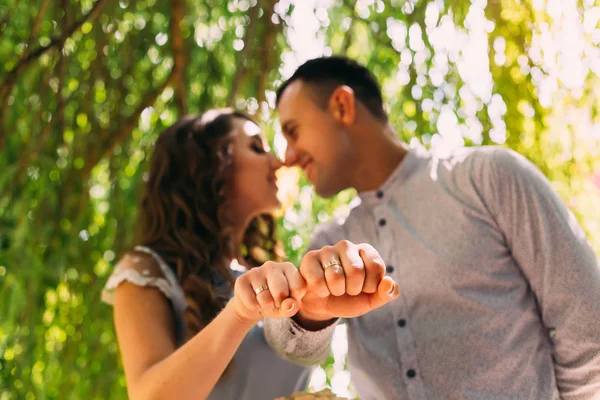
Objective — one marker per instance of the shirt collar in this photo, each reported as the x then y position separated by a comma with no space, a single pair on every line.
400,174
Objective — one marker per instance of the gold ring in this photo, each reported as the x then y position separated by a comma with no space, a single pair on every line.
261,289
331,264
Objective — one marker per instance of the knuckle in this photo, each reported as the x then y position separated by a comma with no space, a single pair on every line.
354,264
323,250
311,255
379,261
237,284
289,266
367,246
269,265
354,270
376,264
243,280
344,244
307,268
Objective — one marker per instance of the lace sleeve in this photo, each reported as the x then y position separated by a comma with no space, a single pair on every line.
140,269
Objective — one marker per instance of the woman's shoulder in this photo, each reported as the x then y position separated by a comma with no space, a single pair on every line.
145,263
142,267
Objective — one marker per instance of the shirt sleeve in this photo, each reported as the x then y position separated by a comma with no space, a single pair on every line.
294,343
139,269
555,257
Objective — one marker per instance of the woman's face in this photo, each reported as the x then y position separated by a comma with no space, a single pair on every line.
253,188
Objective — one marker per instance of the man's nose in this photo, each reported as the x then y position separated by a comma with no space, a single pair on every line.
291,156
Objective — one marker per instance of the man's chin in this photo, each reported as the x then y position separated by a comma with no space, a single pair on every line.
325,191
273,206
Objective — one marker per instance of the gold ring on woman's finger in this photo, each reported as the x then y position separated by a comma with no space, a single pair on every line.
261,289
331,264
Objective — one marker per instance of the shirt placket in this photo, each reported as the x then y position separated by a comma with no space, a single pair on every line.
406,346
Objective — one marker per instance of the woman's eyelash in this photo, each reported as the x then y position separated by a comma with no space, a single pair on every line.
258,148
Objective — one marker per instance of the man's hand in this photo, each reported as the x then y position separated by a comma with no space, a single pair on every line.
345,280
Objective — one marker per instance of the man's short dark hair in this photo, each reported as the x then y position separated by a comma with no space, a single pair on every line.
325,74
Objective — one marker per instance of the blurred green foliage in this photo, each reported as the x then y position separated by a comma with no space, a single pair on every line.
87,85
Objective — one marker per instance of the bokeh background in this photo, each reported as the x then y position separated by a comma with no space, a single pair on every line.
87,85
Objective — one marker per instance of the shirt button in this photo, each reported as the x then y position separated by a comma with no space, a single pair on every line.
401,323
411,373
389,269
382,222
379,194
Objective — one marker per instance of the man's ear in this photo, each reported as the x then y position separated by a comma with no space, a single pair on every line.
342,105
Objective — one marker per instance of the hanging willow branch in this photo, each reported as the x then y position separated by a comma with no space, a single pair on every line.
266,51
124,128
347,42
177,47
29,57
242,56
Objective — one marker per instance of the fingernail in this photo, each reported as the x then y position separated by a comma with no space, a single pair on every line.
291,307
391,292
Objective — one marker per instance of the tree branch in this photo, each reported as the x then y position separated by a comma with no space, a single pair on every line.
37,24
241,70
177,14
59,40
62,72
124,128
347,42
11,78
266,51
5,19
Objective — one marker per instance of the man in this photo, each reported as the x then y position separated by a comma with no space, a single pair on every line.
499,289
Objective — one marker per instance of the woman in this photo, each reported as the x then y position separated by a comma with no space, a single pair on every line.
203,222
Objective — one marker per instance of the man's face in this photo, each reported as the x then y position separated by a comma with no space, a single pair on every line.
316,141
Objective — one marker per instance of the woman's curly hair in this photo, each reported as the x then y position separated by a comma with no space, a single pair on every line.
183,212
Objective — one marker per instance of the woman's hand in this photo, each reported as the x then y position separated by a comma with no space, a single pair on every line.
273,290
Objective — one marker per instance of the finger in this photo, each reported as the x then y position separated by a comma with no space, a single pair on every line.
354,267
312,272
387,290
245,293
296,283
374,267
334,274
278,285
289,308
264,298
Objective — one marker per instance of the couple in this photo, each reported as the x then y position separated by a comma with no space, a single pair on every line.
489,288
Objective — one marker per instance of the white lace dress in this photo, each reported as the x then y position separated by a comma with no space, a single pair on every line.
258,373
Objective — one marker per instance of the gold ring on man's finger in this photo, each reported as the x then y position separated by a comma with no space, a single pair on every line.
331,264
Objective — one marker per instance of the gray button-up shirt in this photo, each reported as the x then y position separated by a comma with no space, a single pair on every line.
499,288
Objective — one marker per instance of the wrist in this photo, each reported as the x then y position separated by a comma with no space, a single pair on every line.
242,321
311,322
